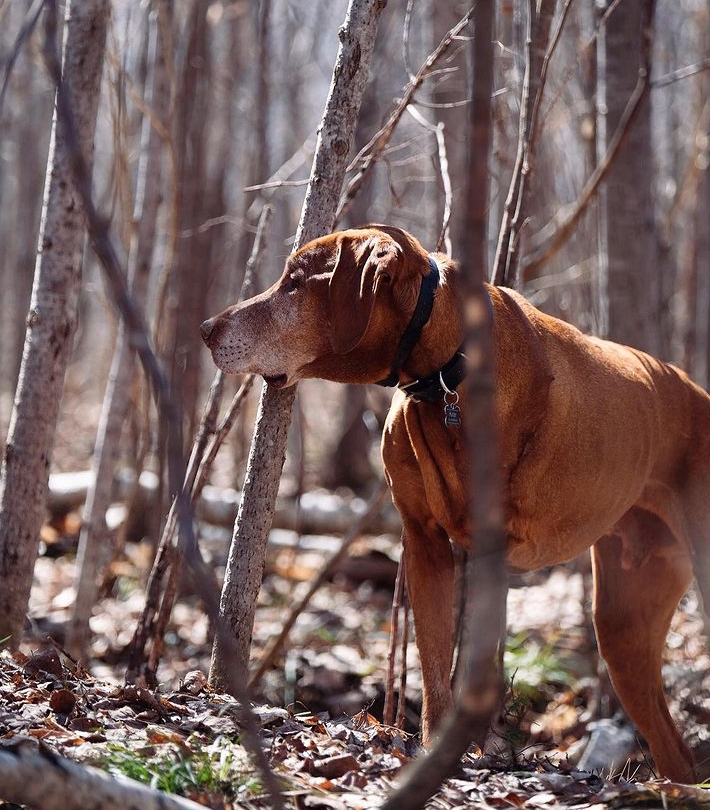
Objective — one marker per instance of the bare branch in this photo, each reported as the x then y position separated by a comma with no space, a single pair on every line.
401,717
388,714
405,37
24,34
444,240
681,73
582,52
277,184
514,212
163,579
372,150
549,53
553,235
297,159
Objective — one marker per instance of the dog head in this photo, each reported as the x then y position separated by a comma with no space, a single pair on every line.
336,313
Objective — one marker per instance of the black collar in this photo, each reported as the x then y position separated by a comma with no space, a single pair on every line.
447,378
420,316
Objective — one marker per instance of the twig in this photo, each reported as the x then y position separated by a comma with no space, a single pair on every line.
580,54
372,150
553,235
254,260
499,274
297,159
167,560
405,37
388,711
402,701
444,240
28,26
221,434
681,73
215,222
276,184
373,507
551,48
98,229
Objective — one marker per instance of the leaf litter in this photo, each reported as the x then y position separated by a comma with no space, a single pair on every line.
327,747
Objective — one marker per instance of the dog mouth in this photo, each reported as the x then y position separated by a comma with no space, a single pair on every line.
277,380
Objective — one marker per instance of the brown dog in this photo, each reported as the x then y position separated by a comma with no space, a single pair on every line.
601,445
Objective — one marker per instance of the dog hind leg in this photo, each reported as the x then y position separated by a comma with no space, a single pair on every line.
633,607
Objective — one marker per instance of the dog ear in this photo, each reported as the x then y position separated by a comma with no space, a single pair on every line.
361,268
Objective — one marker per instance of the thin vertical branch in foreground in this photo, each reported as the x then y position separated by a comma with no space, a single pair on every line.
247,553
388,713
480,689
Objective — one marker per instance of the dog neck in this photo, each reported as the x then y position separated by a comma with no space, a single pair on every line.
443,334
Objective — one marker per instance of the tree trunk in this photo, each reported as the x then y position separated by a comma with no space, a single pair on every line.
480,690
248,549
699,349
630,288
51,321
95,538
27,110
192,268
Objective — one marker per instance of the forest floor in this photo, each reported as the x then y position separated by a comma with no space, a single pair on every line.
327,745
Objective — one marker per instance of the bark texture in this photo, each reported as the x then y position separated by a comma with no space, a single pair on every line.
50,323
629,283
248,549
95,538
187,303
486,583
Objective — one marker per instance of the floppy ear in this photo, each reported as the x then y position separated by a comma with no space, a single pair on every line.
361,267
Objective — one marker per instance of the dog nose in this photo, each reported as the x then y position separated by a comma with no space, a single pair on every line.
206,328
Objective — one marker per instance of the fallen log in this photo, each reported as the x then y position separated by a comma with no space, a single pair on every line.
44,781
315,513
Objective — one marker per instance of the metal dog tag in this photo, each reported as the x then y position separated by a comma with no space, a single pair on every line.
452,416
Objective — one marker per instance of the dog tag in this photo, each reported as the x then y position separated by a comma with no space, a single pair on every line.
452,416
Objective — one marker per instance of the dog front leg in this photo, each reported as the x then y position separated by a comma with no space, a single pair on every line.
429,565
